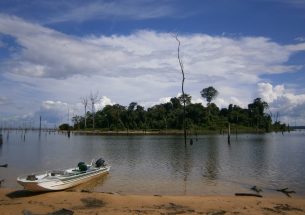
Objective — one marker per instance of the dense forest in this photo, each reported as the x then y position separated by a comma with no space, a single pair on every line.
169,116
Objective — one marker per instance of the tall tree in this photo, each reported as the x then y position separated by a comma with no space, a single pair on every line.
132,106
256,110
131,116
175,102
209,93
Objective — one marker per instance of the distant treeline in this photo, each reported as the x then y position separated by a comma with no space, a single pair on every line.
297,127
170,116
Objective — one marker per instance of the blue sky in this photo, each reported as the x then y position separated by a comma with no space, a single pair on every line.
54,52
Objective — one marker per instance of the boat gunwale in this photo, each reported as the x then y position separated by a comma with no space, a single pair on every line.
47,177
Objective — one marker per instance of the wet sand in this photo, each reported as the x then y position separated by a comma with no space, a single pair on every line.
71,202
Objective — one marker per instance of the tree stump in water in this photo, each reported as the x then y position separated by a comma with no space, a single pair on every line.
286,191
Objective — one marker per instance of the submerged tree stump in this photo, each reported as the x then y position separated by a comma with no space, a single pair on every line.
286,191
248,194
256,189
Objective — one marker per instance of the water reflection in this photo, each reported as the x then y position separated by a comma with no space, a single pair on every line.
1,142
92,184
162,164
211,159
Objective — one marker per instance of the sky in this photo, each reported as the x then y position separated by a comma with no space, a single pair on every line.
53,53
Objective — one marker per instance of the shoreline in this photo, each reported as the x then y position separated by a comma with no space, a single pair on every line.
158,132
71,202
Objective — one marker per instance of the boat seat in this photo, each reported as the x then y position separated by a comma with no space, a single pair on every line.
57,172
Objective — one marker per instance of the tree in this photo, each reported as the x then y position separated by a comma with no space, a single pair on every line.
64,126
132,106
186,98
258,106
209,93
256,111
175,102
131,116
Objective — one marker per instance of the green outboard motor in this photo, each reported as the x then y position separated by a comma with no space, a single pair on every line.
82,166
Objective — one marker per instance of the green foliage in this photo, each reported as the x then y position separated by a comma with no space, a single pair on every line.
185,98
209,93
170,116
64,127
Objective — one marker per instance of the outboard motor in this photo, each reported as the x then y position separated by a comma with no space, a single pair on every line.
100,162
82,166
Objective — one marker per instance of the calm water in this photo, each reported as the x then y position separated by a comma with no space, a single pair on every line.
161,164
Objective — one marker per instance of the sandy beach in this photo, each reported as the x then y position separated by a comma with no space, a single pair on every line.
71,202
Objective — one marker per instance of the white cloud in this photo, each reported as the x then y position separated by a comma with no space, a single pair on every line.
141,66
300,39
283,102
58,112
296,47
269,93
120,9
164,100
103,102
223,102
143,53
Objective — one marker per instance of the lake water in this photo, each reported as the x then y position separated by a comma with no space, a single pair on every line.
162,164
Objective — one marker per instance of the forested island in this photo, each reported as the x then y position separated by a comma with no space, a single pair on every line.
168,117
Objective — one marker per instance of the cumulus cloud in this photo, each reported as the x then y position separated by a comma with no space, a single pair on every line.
142,53
269,93
164,100
103,102
282,101
141,66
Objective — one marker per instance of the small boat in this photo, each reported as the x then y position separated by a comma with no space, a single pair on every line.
63,179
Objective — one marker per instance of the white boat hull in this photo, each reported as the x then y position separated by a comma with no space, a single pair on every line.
46,182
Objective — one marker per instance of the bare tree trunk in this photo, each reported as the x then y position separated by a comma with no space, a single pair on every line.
84,101
94,99
39,126
182,88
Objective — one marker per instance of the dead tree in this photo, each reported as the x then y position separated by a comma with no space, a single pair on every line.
93,99
286,191
84,101
182,87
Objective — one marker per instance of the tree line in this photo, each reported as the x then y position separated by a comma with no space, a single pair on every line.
170,116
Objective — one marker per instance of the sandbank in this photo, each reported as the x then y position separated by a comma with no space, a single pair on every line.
71,202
